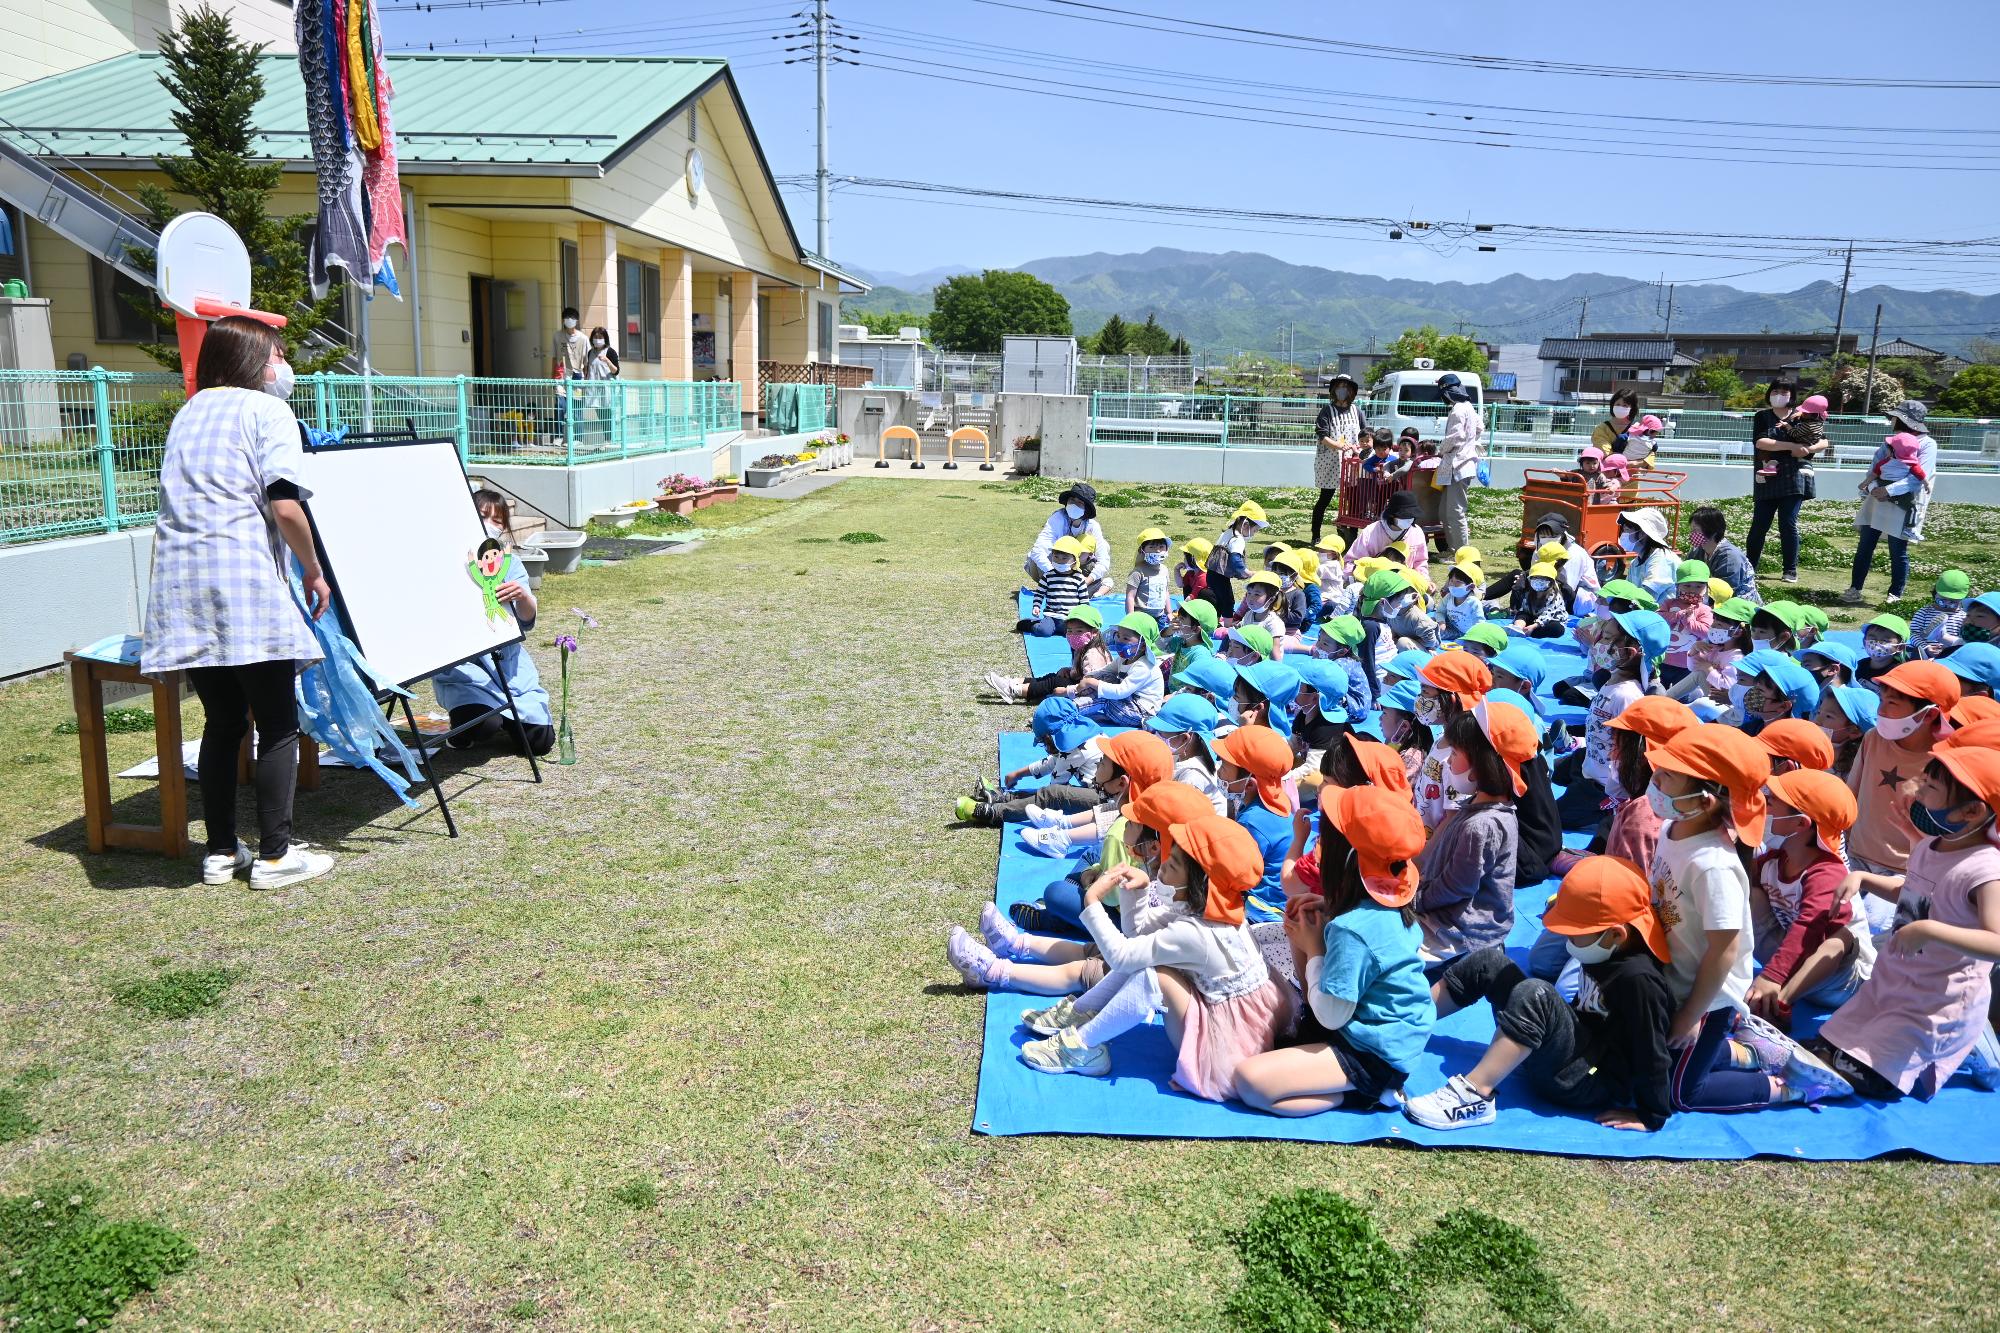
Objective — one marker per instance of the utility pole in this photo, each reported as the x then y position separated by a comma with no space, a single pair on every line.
1874,345
819,64
1840,318
1581,315
1670,309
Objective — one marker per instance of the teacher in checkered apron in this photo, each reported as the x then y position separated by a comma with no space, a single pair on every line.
220,607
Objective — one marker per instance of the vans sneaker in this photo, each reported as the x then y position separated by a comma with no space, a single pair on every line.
299,864
1457,1105
221,867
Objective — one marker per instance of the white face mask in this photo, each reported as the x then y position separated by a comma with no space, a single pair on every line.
1758,642
1663,805
1607,657
1621,411
1902,728
1075,512
1774,838
1719,637
569,323
282,380
1602,611
600,342
1459,784
1398,524
1430,710
1781,401
1062,566
494,530
1538,585
1594,952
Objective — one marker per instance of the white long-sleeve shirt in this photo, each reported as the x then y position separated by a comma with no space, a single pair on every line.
1459,451
1058,526
1078,768
1222,961
1138,680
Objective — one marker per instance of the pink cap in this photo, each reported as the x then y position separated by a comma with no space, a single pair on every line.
1814,406
1591,452
1616,463
1904,446
1649,424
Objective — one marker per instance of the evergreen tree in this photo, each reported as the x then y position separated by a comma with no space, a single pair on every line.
1111,339
1180,347
213,78
1149,339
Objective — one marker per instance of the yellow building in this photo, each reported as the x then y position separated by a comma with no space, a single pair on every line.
45,39
633,188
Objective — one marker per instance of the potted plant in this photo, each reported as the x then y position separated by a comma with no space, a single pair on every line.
1028,455
843,449
680,493
718,492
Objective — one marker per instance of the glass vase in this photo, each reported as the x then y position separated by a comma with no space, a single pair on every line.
565,741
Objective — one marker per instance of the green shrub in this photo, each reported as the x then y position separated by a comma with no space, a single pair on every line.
15,1122
1470,1246
524,1309
1331,1255
139,432
181,993
116,720
63,1267
862,538
637,1193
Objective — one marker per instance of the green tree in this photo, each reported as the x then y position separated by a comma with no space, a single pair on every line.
975,313
1179,347
214,81
1716,377
1260,375
1973,392
1111,340
887,323
1148,339
1919,380
1447,351
1983,351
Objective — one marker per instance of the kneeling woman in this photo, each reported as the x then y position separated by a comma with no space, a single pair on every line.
469,691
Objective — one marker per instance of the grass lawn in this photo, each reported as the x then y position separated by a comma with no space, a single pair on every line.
670,1040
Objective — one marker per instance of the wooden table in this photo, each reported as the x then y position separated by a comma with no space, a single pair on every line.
87,678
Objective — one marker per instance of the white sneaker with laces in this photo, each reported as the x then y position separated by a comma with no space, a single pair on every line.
1042,816
221,867
1457,1105
1047,841
1000,685
1065,1053
299,864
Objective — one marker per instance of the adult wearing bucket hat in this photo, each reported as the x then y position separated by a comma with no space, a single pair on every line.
1895,510
1644,536
1339,428
1614,1059
1075,516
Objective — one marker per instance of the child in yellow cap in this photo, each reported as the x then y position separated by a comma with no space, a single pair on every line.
1193,569
1542,613
1149,587
1460,608
1063,587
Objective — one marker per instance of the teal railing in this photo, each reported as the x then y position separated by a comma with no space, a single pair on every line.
80,449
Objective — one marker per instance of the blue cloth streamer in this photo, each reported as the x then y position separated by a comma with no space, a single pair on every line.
337,703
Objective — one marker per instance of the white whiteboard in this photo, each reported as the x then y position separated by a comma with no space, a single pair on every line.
396,525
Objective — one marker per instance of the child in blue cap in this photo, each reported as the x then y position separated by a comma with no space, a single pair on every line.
1263,696
1071,766
1209,677
1977,666
1770,686
1627,650
1187,723
1846,713
1320,714
1831,663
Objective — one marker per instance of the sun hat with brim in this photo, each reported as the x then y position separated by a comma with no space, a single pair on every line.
1976,769
1211,675
1524,662
1911,413
1472,574
1382,763
1982,733
1501,694
1402,696
1649,521
1201,611
1067,546
1164,805
1382,583
1896,625
1542,569
1327,679
1279,685
1551,553
1256,638
1616,463
1198,547
1820,797
1188,714
1401,547
1346,631
1833,652
1084,494
1954,583
1858,704
1813,618
1737,609
1253,511
1600,892
1145,758
1929,681
1590,452
1332,544
1649,629
1797,684
1624,590
1511,731
1654,716
1468,555
1971,711
1229,860
1711,752
1058,722
1084,614
1408,664
1691,571
1154,535
1265,756
1785,613
1487,635
1989,600
1461,674
1977,662
1798,740
1387,835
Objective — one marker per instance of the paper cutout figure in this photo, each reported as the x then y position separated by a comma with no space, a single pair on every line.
486,566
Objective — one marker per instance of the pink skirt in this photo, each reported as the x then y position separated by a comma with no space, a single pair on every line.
1220,1035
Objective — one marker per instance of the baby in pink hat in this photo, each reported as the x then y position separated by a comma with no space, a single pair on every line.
1901,461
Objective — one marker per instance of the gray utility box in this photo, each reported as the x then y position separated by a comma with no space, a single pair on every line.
1038,365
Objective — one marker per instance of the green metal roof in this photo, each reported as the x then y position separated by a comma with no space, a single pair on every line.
566,115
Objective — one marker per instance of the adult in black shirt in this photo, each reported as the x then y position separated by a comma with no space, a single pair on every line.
1782,481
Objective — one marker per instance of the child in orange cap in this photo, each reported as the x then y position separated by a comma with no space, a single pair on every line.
1140,756
1708,787
1368,1008
1807,936
1452,682
1793,742
1466,901
1201,967
1254,762
1917,699
1921,1011
1606,1050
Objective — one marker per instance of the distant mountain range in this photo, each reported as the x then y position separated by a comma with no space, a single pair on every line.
1239,300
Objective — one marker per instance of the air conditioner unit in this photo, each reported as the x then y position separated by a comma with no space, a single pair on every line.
853,333
1423,363
910,333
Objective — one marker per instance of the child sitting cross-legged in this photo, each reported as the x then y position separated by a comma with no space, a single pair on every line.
1063,585
1542,611
1083,628
1200,966
1808,937
1461,609
1605,1051
1125,693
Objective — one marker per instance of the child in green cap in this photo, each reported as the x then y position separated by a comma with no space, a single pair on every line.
1939,626
1484,641
1083,627
1128,691
1689,617
1712,661
1886,638
1340,641
1190,633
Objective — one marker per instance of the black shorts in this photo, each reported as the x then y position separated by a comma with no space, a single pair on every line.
1371,1078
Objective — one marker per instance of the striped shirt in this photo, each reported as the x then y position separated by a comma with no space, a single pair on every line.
1060,593
1937,630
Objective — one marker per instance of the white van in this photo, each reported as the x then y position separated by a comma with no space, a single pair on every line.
1412,398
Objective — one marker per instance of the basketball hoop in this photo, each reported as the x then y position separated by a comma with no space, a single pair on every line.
203,274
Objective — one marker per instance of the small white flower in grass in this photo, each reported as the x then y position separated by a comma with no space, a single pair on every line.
75,1199
36,1204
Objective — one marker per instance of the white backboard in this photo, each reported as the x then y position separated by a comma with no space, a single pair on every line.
201,258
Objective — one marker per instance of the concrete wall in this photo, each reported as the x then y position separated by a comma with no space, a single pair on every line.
1061,422
55,596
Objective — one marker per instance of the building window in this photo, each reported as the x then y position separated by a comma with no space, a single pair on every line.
572,283
15,264
826,348
639,293
111,297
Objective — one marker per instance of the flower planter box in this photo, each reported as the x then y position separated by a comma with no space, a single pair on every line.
563,547
685,502
759,478
619,516
535,561
715,495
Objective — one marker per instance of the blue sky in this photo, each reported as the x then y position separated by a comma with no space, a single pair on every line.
900,115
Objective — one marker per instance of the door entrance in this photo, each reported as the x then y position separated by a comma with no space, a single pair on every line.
482,335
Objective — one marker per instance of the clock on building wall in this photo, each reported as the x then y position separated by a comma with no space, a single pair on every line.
694,176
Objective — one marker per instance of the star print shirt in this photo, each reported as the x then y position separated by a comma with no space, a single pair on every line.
1884,780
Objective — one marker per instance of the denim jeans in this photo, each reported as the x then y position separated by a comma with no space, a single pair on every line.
1864,560
1786,510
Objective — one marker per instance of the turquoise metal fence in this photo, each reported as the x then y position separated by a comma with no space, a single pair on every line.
1514,430
80,449
796,409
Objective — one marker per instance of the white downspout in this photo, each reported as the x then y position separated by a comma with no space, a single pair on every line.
410,254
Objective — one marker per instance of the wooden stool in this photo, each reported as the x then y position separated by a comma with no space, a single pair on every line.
87,678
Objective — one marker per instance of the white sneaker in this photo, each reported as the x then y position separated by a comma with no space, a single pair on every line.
1001,686
1042,816
221,867
1457,1105
1065,1053
1047,841
296,866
